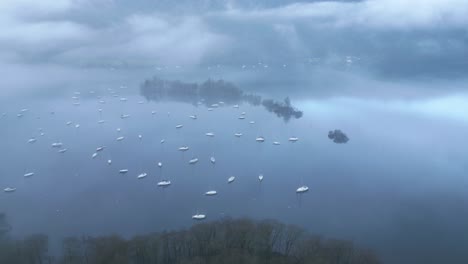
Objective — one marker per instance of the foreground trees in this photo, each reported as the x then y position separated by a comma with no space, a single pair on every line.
224,241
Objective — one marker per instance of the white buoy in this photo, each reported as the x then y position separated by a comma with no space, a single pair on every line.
193,161
160,164
302,189
29,174
213,160
231,179
260,177
143,175
199,217
140,137
211,193
109,162
9,190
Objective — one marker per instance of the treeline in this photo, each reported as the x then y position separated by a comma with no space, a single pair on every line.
225,241
212,92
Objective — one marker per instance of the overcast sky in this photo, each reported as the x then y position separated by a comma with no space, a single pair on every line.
388,39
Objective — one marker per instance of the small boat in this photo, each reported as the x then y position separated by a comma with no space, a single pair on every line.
123,171
210,109
252,122
160,164
143,175
179,126
62,150
101,121
123,99
141,102
231,179
193,161
124,116
211,193
102,102
241,117
94,155
68,123
210,134
243,113
57,145
164,183
235,106
276,143
109,162
198,217
260,177
98,149
9,190
213,160
302,189
162,141
238,134
184,148
260,139
153,112
293,139
24,110
118,129
27,175
76,103
77,126
120,138
215,105
140,137
75,98
32,140
42,134
193,117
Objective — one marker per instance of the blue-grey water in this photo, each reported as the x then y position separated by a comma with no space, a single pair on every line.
399,186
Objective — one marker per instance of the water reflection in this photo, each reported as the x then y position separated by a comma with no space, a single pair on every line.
211,93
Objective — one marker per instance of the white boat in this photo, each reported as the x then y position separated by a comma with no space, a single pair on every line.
243,113
210,109
241,117
153,112
68,123
238,134
260,139
42,134
101,121
76,103
123,171
120,138
24,110
193,161
213,160
62,150
210,134
198,217
57,145
94,155
164,183
160,164
252,122
260,177
276,143
77,126
32,140
124,116
29,174
143,175
184,148
118,129
123,99
141,102
179,126
211,193
75,98
293,139
193,117
215,105
302,189
162,141
109,162
102,102
98,149
231,179
235,106
140,136
9,190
